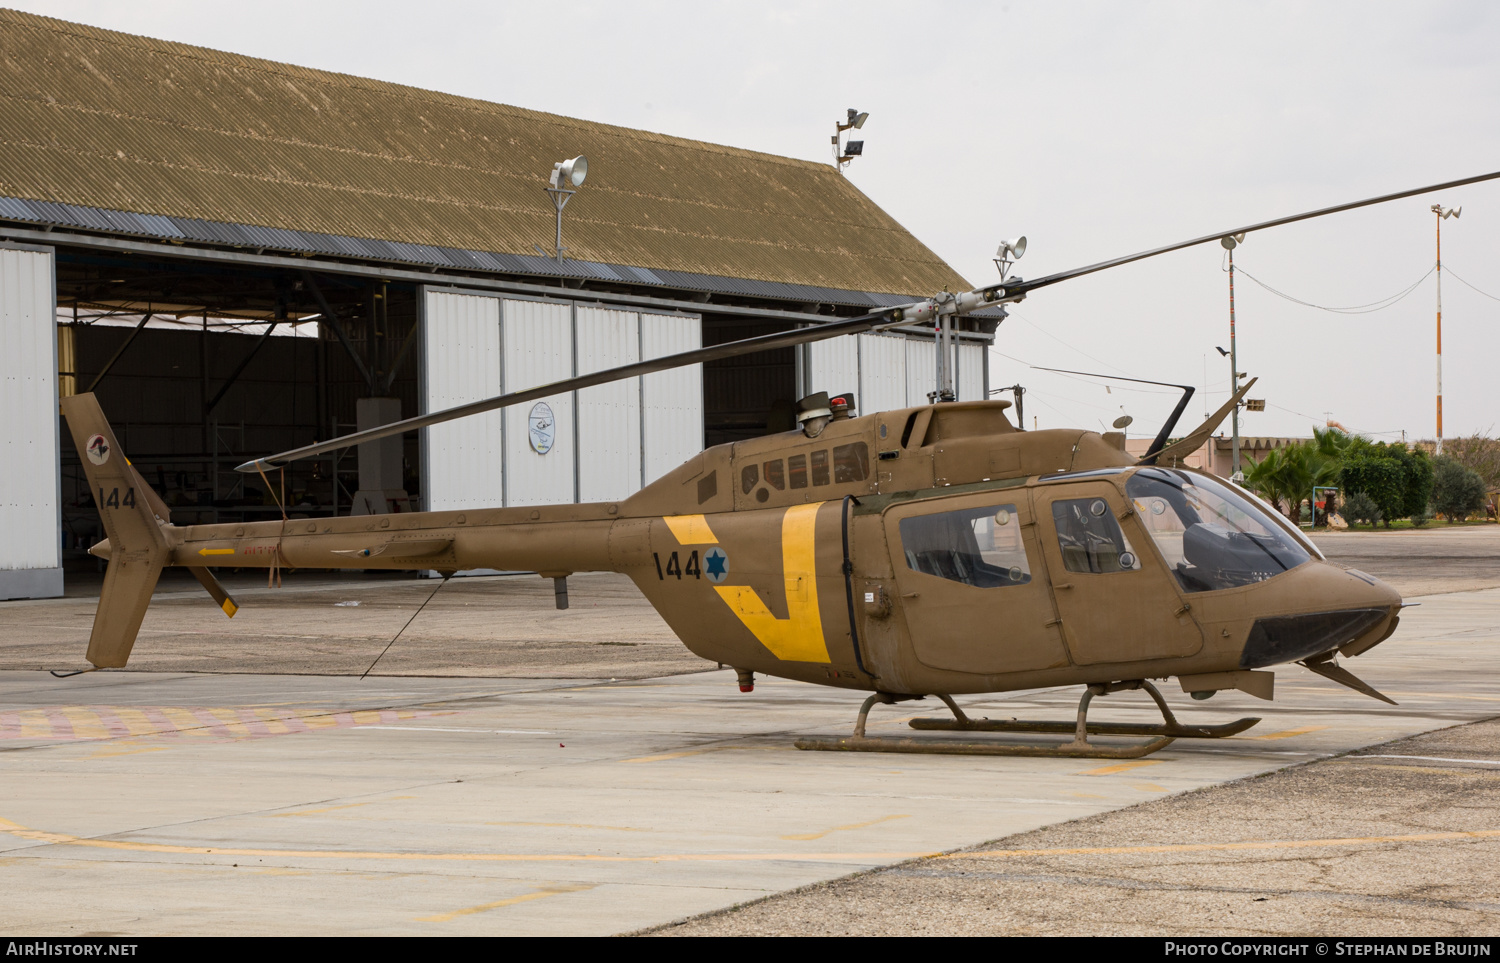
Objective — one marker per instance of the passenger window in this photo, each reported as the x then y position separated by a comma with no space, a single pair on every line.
820,467
1090,538
981,547
749,477
774,476
851,463
796,470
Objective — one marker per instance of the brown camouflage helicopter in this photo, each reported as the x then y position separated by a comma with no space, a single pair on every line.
936,550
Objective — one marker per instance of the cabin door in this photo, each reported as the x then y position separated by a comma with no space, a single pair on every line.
1116,600
972,586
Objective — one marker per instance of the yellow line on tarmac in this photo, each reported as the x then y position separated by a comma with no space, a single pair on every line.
62,839
1288,733
525,898
1121,767
1213,847
841,829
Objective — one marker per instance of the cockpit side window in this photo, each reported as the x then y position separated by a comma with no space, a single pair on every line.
1210,535
979,546
1090,538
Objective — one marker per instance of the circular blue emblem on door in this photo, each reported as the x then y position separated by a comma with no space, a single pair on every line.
541,428
716,564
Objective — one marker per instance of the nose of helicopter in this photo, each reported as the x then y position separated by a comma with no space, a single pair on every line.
1325,607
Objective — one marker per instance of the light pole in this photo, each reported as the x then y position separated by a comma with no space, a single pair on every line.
1229,244
1441,213
565,174
844,153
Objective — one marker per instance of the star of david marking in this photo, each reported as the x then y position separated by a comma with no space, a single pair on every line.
716,565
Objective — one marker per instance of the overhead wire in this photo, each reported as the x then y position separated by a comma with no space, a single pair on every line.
1462,281
1370,308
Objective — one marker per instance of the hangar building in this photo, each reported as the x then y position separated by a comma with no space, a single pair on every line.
240,256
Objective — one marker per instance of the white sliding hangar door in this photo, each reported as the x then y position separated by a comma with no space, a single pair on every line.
30,497
887,372
599,444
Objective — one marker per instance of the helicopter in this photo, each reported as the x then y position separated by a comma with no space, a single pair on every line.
938,550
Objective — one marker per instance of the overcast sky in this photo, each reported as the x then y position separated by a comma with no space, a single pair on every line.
1096,129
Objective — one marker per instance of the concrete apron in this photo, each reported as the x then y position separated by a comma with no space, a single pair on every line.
147,803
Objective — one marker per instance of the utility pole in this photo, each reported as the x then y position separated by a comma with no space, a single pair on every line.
1229,244
1441,213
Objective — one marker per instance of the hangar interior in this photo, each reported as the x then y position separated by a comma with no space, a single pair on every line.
155,250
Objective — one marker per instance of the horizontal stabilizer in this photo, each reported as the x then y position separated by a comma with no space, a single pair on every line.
1172,455
1330,669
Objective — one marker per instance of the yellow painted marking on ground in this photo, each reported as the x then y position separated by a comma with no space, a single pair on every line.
799,637
86,723
525,898
1288,733
6,826
623,829
61,839
215,551
1121,767
1148,787
691,530
135,721
851,826
1086,795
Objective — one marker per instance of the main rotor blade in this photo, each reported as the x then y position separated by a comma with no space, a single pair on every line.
766,342
1022,286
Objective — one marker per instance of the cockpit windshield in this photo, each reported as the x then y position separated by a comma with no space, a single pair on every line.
1211,536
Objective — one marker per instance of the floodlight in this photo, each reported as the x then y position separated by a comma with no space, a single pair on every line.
1229,243
1123,421
1012,249
857,119
1222,352
854,148
570,172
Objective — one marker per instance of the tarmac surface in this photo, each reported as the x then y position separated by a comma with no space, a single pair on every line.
488,777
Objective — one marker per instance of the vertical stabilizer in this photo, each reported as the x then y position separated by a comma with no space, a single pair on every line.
137,547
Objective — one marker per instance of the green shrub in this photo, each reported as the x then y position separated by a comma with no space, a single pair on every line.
1360,507
1457,492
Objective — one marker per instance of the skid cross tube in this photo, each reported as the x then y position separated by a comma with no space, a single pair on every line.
1164,734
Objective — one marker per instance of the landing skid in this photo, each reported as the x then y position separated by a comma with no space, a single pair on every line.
1165,733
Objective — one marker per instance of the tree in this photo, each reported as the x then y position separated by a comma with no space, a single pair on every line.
1288,475
1479,454
1369,469
1457,491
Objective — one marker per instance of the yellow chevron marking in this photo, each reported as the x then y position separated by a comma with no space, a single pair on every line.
215,551
799,637
691,529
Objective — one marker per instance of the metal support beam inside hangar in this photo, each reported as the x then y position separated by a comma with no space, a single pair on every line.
211,340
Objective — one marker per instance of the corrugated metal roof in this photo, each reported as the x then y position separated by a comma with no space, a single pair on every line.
251,152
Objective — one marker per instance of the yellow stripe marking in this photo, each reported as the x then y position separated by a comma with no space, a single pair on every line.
851,826
691,529
215,551
1121,767
61,839
799,637
526,898
1288,733
1148,787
